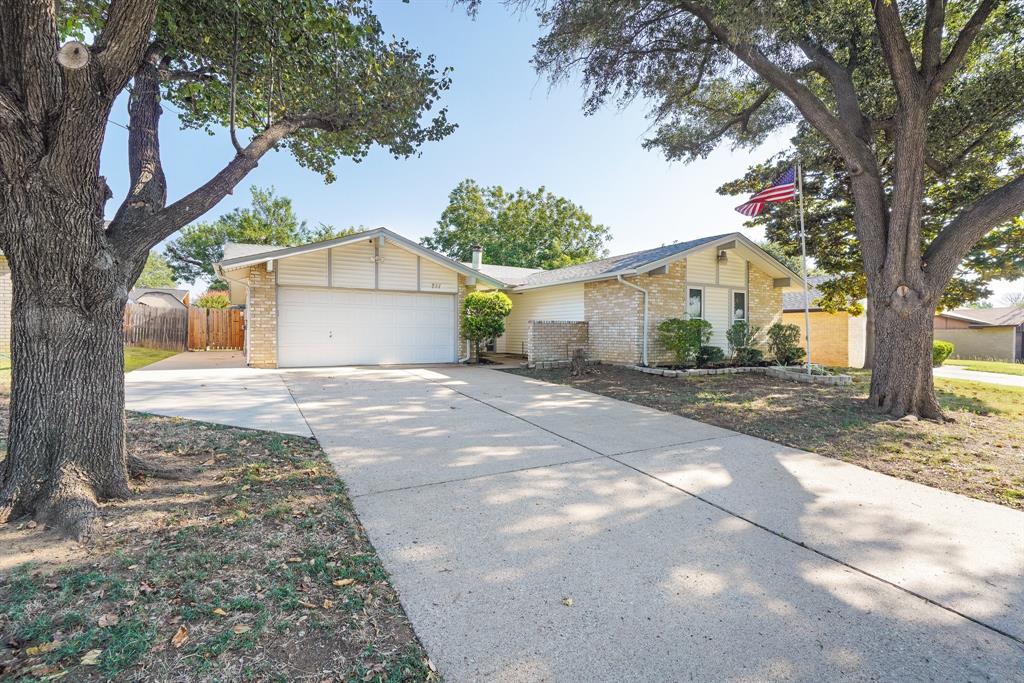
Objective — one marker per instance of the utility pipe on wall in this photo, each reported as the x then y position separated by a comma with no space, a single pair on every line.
644,292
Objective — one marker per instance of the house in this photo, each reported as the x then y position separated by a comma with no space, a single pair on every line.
983,333
159,297
378,298
6,305
837,339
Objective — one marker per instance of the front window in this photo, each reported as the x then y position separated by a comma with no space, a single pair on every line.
739,306
695,303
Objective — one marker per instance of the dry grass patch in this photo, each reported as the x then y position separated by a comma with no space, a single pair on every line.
981,454
255,567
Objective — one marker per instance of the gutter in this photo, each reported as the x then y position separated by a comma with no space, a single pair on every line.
644,292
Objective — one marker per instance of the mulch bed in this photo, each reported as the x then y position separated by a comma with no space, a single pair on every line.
980,454
254,568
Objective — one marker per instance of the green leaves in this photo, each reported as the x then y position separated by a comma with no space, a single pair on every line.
483,315
156,273
529,229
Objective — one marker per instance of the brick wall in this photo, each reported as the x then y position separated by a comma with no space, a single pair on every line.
614,316
262,318
830,336
460,343
554,339
667,300
765,305
6,298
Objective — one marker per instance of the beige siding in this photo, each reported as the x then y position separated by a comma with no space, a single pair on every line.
303,269
733,272
702,267
985,343
716,312
397,268
436,278
352,266
564,302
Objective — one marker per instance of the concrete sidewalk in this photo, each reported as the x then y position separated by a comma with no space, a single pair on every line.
538,532
215,386
960,372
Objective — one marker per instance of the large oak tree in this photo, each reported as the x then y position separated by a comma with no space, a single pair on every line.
315,77
897,89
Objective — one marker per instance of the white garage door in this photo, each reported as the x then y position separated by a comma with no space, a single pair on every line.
357,327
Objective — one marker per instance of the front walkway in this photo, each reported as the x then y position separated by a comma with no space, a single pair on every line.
215,386
959,372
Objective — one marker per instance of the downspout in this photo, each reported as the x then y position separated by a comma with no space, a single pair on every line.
644,292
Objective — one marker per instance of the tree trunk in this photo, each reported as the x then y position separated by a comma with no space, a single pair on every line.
66,445
901,378
869,336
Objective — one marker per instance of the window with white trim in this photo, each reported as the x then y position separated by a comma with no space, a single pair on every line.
739,306
695,302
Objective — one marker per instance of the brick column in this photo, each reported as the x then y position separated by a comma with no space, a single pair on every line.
262,317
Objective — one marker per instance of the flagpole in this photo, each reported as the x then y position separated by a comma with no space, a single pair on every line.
803,256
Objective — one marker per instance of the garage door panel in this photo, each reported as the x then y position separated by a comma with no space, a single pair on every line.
319,327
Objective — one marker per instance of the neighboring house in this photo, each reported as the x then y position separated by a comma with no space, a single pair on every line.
836,338
378,298
983,333
159,297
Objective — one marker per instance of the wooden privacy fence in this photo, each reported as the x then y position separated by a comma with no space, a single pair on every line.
215,328
180,329
156,328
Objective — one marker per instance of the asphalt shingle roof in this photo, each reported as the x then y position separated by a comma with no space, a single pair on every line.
510,275
1007,315
613,264
794,301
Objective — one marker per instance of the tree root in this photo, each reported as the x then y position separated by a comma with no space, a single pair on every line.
140,467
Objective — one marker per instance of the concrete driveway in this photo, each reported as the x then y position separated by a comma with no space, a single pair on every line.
541,533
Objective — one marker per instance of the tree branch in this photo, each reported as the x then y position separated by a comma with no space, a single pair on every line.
121,44
959,50
955,240
896,48
147,193
842,86
28,51
132,239
931,41
234,86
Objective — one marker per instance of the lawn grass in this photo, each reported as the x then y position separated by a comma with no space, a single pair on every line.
980,453
989,366
135,357
254,567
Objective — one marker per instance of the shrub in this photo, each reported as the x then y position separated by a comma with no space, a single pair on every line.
684,338
213,300
784,344
483,316
748,355
741,342
708,355
941,350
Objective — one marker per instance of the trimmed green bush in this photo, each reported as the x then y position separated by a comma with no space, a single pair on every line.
941,350
483,317
748,355
684,338
709,355
740,336
784,344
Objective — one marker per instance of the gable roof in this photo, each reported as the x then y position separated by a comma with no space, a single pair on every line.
638,262
987,317
244,259
233,250
510,275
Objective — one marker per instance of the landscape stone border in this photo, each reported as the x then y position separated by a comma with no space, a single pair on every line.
783,373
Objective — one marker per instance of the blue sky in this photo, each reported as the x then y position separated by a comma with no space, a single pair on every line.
514,130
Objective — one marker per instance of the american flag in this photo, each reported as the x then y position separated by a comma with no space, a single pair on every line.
782,190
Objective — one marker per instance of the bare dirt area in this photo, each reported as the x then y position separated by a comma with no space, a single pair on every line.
979,454
254,567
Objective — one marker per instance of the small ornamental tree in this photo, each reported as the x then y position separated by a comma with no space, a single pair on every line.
483,317
784,344
684,338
